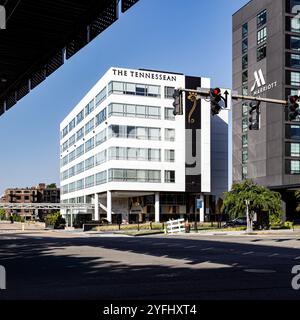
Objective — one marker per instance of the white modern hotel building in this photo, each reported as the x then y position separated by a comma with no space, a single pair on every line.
123,150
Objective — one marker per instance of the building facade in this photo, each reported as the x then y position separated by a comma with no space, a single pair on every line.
124,150
266,63
37,194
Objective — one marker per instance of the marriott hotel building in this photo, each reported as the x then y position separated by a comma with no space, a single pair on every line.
266,63
124,150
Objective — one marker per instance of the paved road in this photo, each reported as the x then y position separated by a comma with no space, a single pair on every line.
62,265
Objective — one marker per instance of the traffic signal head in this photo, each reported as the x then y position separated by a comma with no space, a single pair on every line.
215,99
177,104
254,118
293,106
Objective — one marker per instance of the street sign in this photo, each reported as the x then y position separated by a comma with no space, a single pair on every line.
199,203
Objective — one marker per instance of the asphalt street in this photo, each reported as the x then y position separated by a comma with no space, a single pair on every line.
62,265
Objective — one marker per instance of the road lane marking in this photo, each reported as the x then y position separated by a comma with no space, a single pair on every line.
247,253
206,249
260,271
273,255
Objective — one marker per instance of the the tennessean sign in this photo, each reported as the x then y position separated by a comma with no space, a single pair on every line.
144,74
260,85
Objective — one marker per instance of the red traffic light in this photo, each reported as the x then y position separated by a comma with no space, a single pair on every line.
216,91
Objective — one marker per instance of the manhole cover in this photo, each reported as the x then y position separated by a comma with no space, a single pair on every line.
259,270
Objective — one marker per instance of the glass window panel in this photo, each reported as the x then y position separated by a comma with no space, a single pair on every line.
141,133
141,111
154,91
131,132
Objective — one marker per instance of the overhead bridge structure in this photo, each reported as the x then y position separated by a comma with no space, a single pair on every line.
38,36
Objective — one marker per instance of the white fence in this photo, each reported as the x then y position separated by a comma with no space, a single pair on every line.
175,226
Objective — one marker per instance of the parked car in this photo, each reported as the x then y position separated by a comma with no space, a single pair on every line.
238,222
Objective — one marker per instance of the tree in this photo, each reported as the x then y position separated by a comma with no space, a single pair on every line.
297,195
51,186
262,200
2,214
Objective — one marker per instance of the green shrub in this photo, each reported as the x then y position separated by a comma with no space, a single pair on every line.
288,225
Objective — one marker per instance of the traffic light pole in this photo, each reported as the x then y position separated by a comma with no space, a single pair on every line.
206,94
250,98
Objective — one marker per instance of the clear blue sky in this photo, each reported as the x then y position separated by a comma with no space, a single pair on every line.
190,36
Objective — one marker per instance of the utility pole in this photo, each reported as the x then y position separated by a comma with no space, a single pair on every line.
249,222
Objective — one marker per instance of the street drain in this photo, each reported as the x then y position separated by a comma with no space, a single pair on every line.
259,270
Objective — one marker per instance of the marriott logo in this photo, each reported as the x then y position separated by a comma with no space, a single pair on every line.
260,84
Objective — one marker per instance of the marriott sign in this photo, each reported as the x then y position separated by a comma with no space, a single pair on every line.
260,85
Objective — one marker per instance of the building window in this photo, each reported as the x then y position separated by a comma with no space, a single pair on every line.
245,78
294,60
295,167
79,117
169,115
89,108
261,52
100,97
245,62
293,6
89,145
295,78
169,176
262,35
133,89
80,184
89,126
72,156
169,155
65,132
245,46
89,163
293,132
245,109
244,140
79,134
245,90
100,117
169,134
80,151
89,181
79,167
101,177
72,140
72,187
133,175
72,124
295,43
169,91
244,172
293,149
65,160
72,172
244,156
244,30
100,137
100,158
125,110
245,125
65,146
261,18
295,24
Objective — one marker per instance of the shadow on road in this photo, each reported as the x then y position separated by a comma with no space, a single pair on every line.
144,268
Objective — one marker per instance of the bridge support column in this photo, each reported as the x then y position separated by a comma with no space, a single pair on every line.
157,216
108,205
96,210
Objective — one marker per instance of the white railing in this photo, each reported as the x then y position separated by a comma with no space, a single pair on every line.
175,226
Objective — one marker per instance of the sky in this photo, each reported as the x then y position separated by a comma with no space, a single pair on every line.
191,36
